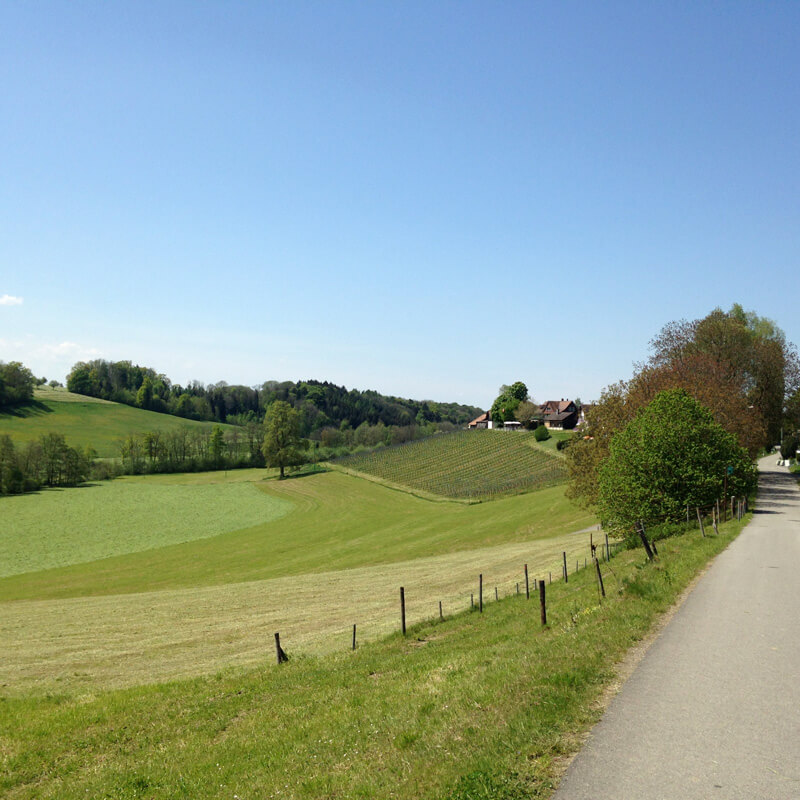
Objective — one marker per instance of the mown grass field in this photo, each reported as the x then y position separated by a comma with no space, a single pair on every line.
336,522
479,706
59,527
328,550
466,464
86,421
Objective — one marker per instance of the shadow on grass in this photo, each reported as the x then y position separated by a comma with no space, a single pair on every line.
33,409
305,473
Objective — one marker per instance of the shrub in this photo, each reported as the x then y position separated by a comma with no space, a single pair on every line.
670,454
541,434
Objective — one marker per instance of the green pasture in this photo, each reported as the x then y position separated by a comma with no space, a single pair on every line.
551,445
86,421
476,707
57,527
467,464
335,522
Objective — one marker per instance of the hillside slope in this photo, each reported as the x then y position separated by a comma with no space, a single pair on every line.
467,464
84,421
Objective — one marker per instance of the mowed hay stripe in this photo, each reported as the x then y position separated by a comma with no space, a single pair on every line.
125,640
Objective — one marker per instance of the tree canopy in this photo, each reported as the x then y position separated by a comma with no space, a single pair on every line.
505,406
16,384
283,446
672,453
737,364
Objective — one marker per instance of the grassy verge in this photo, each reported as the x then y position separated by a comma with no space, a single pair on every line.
478,706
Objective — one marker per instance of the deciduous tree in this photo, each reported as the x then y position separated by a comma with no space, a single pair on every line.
283,447
671,454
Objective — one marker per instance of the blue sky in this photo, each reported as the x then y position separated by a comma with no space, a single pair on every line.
427,199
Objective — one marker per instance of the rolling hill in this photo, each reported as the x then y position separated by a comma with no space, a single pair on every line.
86,421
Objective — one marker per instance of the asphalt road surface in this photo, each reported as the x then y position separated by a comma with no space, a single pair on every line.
713,709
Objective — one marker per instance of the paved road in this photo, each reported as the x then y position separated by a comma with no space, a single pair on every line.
713,709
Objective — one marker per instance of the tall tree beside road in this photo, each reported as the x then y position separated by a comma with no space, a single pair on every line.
283,446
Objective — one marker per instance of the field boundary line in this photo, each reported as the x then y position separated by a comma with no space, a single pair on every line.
398,487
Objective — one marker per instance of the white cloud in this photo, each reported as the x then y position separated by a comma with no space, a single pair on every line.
71,349
53,359
10,300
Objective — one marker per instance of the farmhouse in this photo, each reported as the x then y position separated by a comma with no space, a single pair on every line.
483,421
559,415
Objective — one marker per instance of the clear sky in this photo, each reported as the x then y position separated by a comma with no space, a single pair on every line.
424,198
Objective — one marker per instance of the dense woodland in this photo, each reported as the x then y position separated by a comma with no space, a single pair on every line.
321,404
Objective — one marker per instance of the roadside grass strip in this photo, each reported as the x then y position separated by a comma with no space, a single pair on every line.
479,706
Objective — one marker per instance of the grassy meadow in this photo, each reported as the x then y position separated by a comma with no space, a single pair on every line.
466,464
329,550
336,522
476,707
86,421
185,574
137,621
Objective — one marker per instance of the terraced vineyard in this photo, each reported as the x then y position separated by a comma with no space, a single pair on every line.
468,464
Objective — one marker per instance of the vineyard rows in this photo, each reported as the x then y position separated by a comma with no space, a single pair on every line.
467,464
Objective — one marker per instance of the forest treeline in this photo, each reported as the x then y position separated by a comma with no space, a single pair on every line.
321,404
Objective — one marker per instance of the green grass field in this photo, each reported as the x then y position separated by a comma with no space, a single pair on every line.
467,464
55,528
478,707
328,550
86,421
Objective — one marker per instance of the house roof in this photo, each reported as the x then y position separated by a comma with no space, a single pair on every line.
482,418
559,417
559,405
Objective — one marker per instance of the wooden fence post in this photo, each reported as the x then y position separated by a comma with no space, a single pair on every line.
564,556
608,550
639,528
496,596
441,615
279,651
700,520
542,602
480,592
527,585
403,609
600,578
354,636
